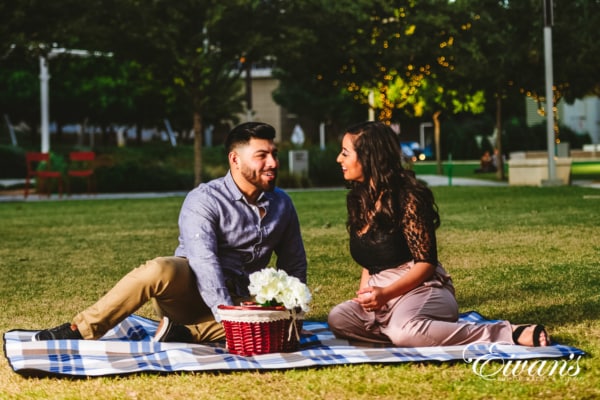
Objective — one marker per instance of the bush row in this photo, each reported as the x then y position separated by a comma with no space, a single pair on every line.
156,166
159,167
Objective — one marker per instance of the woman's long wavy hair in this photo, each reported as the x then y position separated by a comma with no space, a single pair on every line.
385,181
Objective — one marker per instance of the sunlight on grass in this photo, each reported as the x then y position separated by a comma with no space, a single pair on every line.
589,170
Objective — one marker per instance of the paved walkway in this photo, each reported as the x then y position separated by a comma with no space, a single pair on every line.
432,180
440,180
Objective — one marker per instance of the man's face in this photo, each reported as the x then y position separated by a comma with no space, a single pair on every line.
258,163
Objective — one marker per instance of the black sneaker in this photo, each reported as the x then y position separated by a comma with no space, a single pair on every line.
64,331
167,331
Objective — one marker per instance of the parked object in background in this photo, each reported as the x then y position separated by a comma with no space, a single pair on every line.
81,165
413,151
33,160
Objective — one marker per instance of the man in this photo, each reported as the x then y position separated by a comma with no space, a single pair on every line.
228,228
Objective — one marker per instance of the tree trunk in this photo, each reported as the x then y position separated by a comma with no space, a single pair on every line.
197,148
59,131
438,145
138,134
106,130
248,81
33,134
498,150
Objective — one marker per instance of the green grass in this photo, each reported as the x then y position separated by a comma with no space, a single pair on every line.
586,170
517,253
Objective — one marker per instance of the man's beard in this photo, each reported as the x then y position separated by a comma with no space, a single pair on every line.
255,178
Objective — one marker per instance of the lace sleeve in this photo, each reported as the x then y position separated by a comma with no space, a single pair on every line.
419,230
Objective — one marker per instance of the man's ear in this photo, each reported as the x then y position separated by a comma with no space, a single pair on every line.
234,159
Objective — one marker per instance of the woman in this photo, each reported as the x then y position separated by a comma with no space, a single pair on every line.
405,297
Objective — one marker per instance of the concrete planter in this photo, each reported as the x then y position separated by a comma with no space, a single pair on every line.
532,171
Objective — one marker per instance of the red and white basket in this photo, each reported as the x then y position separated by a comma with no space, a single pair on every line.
253,329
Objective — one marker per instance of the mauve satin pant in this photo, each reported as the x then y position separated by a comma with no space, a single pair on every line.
171,285
425,316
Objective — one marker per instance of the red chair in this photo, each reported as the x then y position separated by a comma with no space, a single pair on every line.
81,165
33,159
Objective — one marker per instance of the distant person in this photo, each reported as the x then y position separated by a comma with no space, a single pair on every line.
228,228
495,157
486,163
404,296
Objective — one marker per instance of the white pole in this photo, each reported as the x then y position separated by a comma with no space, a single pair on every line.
45,130
549,103
322,135
548,22
44,98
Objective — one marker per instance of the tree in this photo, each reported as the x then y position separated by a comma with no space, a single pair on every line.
577,47
315,43
19,88
504,53
28,30
495,53
401,51
177,45
202,47
411,63
576,54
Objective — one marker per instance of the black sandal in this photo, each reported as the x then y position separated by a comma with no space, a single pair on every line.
536,334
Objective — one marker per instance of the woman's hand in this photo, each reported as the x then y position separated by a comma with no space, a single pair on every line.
371,298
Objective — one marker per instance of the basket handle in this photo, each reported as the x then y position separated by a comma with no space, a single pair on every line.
293,329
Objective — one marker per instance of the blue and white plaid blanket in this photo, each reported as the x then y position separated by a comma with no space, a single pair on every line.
128,349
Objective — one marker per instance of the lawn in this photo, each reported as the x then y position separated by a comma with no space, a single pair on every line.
519,253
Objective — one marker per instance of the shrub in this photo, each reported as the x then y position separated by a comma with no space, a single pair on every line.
288,181
131,176
156,167
12,162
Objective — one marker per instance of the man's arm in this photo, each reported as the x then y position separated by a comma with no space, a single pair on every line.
198,227
291,256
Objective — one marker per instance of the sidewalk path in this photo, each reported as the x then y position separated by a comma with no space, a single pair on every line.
440,180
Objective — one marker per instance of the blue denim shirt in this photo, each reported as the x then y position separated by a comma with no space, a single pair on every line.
225,240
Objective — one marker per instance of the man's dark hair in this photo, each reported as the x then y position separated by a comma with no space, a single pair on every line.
242,134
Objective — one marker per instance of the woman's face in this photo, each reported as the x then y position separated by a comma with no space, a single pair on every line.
348,160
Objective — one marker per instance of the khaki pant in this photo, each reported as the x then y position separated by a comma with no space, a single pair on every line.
171,284
425,316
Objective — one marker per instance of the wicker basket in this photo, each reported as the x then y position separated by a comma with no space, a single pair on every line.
252,329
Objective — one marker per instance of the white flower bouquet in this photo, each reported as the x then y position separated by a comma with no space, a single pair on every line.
271,287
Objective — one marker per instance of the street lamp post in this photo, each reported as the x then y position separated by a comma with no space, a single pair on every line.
548,22
45,130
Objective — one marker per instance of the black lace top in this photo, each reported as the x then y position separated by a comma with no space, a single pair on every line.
415,240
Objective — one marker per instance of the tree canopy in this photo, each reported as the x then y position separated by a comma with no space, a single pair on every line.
184,60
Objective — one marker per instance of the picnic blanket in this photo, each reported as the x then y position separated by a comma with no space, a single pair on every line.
128,349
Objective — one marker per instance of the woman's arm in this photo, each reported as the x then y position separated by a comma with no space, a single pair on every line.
364,279
418,227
